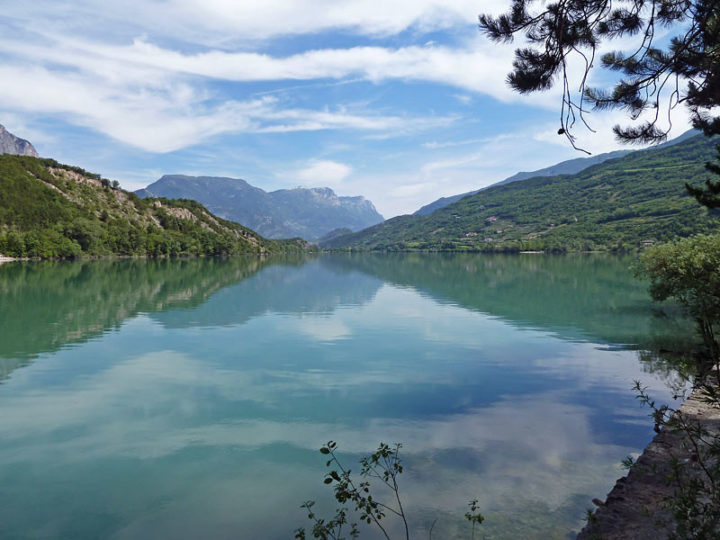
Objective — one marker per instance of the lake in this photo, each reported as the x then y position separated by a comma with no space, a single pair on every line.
189,398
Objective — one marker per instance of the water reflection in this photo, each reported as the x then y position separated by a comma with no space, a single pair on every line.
579,296
200,413
45,306
318,286
48,305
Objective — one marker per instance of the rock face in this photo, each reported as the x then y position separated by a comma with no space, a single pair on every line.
286,213
636,508
10,144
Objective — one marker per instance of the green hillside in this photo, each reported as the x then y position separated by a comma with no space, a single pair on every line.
615,205
51,210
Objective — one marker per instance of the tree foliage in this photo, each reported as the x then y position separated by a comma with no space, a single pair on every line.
687,271
657,75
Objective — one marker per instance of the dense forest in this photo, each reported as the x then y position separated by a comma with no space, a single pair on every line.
50,210
618,205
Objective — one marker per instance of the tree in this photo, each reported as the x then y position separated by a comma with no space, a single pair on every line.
708,196
687,271
655,77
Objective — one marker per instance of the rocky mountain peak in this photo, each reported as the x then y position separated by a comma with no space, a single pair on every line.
10,144
285,213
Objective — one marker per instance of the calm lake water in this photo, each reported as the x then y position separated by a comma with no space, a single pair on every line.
188,399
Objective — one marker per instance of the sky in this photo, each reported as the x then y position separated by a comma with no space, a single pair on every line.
401,102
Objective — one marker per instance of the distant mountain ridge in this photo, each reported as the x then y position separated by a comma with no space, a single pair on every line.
619,204
570,166
309,213
10,144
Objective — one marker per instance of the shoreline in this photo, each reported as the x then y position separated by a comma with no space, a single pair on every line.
634,508
113,256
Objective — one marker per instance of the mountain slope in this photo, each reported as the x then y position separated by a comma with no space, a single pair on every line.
442,202
308,213
617,204
570,166
52,210
10,144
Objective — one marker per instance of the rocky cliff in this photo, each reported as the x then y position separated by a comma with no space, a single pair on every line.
10,144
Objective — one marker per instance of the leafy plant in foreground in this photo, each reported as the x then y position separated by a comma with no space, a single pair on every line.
687,271
382,466
695,502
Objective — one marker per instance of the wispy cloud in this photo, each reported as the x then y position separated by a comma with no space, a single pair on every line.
601,139
323,173
435,145
223,21
165,116
477,66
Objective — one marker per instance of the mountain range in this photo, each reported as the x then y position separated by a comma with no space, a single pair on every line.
615,201
619,204
285,213
10,144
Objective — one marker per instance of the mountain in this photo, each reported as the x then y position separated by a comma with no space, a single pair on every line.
10,144
616,205
51,210
571,166
286,213
442,202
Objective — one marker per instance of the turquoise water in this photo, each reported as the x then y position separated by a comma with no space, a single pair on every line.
188,399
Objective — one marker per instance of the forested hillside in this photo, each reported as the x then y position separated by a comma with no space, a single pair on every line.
51,210
617,205
570,166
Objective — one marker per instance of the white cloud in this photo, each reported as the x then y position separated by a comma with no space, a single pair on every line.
166,116
451,169
601,139
159,98
435,145
323,173
477,67
463,98
222,21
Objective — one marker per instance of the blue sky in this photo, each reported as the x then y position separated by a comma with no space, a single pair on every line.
401,101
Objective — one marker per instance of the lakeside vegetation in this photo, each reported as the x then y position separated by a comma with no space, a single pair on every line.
618,205
50,210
